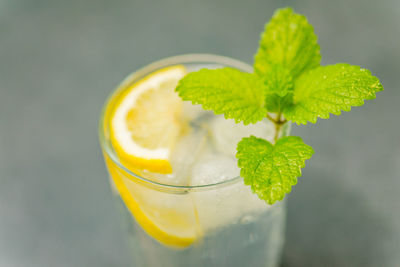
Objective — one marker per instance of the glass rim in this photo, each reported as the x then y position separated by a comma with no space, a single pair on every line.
174,60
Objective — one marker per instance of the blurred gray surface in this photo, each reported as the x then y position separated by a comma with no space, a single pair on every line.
60,59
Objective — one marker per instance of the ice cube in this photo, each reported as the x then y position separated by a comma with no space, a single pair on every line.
192,112
225,203
226,133
212,168
184,155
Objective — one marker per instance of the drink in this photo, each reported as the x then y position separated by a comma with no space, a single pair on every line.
201,213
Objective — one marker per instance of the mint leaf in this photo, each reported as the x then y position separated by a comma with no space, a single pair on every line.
330,89
288,41
278,81
276,103
279,89
271,170
238,95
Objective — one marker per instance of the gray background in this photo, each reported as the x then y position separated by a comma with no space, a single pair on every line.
59,61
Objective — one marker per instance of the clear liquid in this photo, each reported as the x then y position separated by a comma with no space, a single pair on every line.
252,240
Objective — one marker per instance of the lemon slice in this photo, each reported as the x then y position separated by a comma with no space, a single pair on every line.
145,123
170,219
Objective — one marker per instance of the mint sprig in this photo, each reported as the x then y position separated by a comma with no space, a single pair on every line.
288,84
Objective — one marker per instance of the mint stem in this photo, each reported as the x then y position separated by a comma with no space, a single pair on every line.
278,122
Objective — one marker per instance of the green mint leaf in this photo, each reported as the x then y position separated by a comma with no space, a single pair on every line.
288,41
271,170
238,95
330,89
276,103
278,81
279,89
